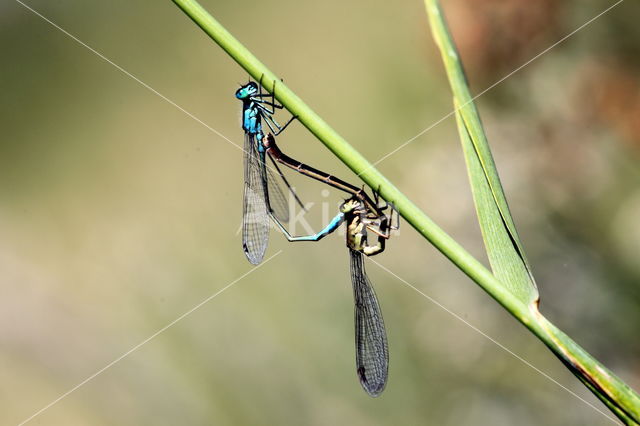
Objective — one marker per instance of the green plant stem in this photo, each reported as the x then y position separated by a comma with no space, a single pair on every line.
619,398
356,162
526,314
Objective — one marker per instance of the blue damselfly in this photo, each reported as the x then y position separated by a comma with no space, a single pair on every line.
262,194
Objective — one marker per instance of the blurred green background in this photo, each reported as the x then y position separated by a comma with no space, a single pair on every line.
118,213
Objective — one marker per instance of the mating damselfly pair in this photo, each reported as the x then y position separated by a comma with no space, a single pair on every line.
367,225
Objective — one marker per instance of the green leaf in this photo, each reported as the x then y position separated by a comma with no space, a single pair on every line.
504,249
508,262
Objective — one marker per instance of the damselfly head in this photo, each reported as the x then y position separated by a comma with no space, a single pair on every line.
350,205
247,90
268,140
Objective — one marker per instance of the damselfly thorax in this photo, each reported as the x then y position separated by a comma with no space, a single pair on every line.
367,231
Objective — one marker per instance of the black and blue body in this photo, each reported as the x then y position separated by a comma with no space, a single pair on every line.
262,195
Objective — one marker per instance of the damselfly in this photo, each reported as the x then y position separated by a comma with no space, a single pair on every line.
372,353
262,195
364,217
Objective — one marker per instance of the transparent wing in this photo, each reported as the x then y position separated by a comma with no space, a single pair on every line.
277,199
255,217
372,352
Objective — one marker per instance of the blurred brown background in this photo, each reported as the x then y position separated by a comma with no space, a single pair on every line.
118,213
